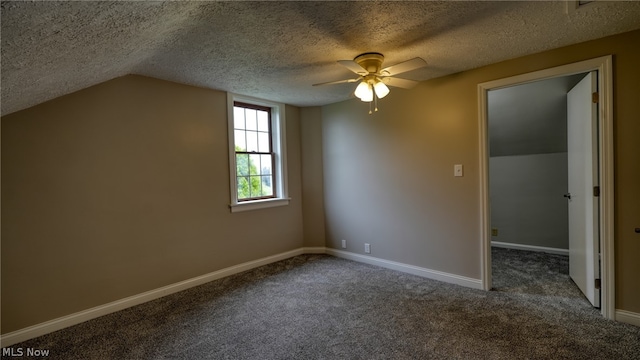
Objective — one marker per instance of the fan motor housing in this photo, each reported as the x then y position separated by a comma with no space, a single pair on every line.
371,61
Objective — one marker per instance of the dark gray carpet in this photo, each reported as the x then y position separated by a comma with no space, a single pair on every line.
322,307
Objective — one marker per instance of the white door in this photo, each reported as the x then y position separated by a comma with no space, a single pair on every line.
582,146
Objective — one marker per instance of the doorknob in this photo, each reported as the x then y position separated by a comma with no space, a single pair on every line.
568,196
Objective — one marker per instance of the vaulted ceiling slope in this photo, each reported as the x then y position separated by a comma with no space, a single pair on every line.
274,50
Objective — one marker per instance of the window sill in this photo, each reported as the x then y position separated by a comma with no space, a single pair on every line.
258,204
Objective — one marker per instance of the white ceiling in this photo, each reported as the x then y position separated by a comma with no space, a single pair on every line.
274,50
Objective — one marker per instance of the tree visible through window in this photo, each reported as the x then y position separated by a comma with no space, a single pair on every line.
253,151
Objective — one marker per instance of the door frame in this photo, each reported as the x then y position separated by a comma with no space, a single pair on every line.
604,66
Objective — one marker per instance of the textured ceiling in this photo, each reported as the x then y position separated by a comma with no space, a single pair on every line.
274,50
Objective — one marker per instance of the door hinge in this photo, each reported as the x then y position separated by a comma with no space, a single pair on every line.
596,191
595,97
597,284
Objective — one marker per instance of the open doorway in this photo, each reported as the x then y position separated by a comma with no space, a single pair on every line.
605,173
528,186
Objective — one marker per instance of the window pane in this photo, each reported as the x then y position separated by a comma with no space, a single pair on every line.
263,121
240,141
238,118
265,164
266,186
254,164
252,141
242,164
263,142
255,189
250,116
243,188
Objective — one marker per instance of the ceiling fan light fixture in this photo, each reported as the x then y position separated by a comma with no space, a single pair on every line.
364,92
374,78
381,89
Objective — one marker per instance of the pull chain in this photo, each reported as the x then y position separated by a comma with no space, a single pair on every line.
375,99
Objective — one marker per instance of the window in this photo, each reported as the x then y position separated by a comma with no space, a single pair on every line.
256,153
254,158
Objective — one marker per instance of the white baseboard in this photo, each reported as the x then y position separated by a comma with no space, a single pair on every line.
549,250
411,269
85,315
628,317
314,250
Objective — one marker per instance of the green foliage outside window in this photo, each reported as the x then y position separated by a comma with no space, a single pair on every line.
249,179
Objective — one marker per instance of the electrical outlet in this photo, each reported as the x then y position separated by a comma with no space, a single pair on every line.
367,248
344,244
494,232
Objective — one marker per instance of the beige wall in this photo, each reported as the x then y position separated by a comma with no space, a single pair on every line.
123,188
312,185
388,177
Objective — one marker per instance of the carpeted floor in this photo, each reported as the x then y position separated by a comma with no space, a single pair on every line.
322,307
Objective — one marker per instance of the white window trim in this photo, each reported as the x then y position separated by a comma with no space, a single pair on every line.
278,134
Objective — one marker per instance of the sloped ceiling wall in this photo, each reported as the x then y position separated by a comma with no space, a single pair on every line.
530,118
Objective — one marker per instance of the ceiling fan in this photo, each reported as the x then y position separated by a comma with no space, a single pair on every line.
374,79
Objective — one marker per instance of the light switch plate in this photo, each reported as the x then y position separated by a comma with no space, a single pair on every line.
457,170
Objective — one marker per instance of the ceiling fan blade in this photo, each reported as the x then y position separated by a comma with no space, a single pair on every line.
353,66
401,83
338,82
405,66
